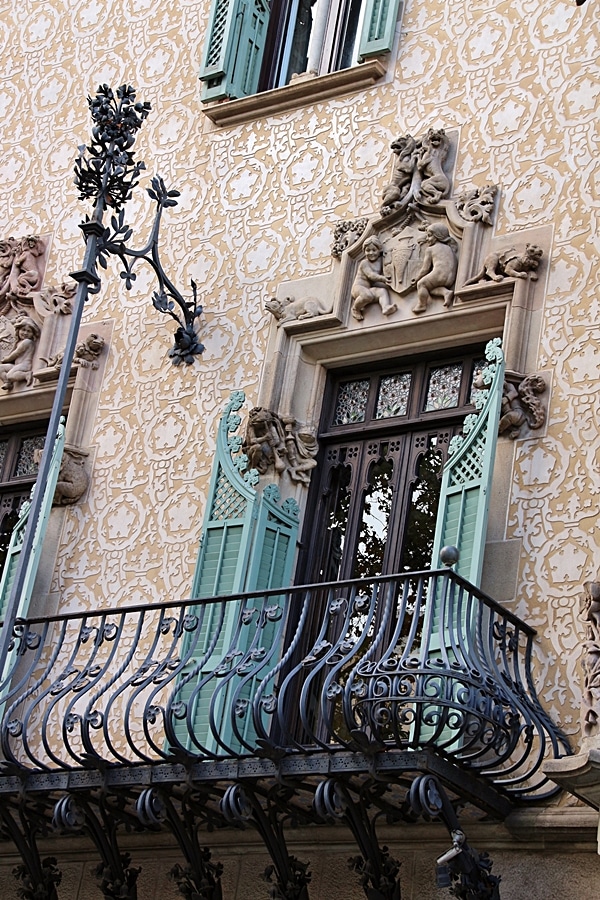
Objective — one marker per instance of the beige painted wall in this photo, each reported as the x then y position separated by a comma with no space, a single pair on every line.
259,202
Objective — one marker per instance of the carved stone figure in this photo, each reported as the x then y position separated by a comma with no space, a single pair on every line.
88,351
510,264
72,478
435,184
406,152
438,269
590,614
16,366
370,284
301,449
288,309
346,233
278,443
264,443
521,406
21,270
477,205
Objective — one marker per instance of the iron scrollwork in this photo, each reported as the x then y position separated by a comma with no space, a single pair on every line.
107,173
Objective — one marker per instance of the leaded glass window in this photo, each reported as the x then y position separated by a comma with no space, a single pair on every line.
392,399
443,389
351,405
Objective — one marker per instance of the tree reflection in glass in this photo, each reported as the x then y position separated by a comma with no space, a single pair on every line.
373,528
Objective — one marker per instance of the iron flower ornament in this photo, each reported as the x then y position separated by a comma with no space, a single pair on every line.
106,172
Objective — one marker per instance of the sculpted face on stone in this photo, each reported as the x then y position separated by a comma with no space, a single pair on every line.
521,406
435,184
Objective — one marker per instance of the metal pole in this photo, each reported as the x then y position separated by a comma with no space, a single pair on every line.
86,278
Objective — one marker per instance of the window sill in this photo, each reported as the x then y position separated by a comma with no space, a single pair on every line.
299,93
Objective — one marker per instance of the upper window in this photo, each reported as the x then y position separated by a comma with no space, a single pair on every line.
254,45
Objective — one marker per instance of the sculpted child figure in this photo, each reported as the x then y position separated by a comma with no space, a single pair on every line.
17,365
438,270
370,284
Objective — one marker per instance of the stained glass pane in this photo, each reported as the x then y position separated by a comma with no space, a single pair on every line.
392,399
443,390
26,462
351,404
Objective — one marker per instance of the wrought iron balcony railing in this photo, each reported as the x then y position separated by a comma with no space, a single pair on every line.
402,663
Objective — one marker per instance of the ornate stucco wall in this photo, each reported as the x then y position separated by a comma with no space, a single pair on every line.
258,206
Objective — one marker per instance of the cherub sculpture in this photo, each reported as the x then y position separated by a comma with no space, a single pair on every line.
370,284
17,365
438,269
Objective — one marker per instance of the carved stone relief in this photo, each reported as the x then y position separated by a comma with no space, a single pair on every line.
22,265
16,364
276,444
477,204
590,614
346,233
288,309
521,405
370,282
510,264
72,477
419,171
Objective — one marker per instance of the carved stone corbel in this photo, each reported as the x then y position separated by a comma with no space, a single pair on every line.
521,404
73,479
276,444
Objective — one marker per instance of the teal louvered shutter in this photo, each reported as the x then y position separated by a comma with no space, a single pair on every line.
234,48
248,543
466,482
379,25
18,534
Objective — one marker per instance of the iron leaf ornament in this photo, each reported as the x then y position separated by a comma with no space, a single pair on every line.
107,172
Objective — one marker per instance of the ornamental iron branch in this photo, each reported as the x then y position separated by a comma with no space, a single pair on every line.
106,173
106,170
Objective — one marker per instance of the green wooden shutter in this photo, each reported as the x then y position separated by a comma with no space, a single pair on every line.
18,534
248,543
466,482
378,28
234,49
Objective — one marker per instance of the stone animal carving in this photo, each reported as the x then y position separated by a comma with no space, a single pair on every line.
590,614
370,283
55,300
21,271
16,366
89,350
438,269
406,152
346,233
477,205
288,309
509,264
522,406
72,478
435,184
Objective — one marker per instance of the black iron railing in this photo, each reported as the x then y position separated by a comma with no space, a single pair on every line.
413,661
